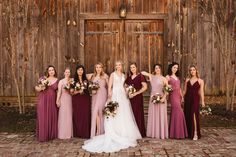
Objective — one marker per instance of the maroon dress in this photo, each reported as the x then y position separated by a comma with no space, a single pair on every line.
191,107
47,112
137,102
81,115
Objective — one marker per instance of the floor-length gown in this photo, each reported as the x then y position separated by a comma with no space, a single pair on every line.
157,126
137,102
47,113
98,104
81,115
121,131
191,108
65,124
178,127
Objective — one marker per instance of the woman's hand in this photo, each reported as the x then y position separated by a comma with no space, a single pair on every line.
58,103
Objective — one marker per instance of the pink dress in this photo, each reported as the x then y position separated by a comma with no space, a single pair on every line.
47,113
65,125
98,103
157,125
178,127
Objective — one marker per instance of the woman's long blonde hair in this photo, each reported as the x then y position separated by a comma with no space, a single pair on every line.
189,73
95,72
119,61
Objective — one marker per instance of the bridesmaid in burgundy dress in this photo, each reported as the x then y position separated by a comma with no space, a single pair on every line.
46,128
81,106
193,91
178,127
138,81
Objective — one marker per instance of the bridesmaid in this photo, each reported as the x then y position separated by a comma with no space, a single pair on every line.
81,106
157,125
46,107
64,102
138,81
193,91
178,127
98,100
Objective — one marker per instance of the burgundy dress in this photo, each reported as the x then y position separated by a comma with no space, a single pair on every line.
81,115
47,112
137,102
191,107
178,127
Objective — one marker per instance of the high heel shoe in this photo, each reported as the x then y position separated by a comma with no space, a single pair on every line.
195,137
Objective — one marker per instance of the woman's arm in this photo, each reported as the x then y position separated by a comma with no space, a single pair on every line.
146,74
165,93
110,83
89,76
185,87
59,93
202,92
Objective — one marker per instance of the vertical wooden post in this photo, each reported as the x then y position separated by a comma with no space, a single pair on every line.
82,44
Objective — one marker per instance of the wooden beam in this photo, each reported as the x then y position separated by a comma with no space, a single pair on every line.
82,44
128,17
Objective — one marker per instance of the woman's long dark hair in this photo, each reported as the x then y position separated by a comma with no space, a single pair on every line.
46,72
135,64
76,76
169,72
154,66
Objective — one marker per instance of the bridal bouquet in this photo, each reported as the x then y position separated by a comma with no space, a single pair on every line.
43,82
110,109
93,87
205,111
69,85
156,98
167,88
131,89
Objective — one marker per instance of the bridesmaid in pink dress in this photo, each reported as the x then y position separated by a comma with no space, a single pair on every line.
157,125
193,92
64,102
178,127
81,106
138,81
46,128
98,100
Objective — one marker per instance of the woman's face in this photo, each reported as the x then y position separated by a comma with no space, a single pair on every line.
118,66
67,73
80,71
174,69
51,71
193,71
98,69
157,69
133,69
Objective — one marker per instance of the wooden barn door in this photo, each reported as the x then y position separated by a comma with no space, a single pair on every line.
129,40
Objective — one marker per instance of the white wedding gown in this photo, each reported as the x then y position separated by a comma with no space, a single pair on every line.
121,131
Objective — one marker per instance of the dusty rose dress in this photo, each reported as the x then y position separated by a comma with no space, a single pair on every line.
98,103
47,112
65,125
178,127
137,102
157,125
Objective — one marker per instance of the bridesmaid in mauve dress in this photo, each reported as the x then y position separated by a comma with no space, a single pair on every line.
178,129
138,81
193,92
64,102
157,125
46,128
81,106
98,100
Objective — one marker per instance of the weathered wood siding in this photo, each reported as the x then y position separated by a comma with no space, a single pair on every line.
62,33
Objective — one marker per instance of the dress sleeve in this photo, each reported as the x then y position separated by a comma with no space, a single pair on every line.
142,78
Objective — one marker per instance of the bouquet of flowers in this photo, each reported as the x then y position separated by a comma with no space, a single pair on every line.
131,89
167,88
93,86
156,98
110,109
80,86
69,85
43,82
205,111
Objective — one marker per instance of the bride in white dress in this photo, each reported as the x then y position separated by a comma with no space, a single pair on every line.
121,131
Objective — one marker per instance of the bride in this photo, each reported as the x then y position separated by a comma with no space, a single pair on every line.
121,130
